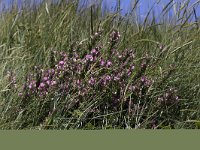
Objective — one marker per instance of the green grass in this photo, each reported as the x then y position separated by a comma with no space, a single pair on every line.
28,38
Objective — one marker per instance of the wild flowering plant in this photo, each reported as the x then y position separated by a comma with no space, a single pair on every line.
118,82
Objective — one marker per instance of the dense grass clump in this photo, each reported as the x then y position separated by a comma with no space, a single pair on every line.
66,70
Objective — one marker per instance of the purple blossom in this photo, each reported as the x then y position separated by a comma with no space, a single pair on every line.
148,82
61,63
74,71
109,63
42,85
107,78
78,82
129,73
53,82
102,62
45,79
94,52
130,70
91,81
89,57
48,82
30,86
51,71
132,67
143,79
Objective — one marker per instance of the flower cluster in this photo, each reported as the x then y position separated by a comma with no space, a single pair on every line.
87,74
114,79
40,82
118,78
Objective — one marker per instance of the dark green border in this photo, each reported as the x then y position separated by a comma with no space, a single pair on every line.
107,139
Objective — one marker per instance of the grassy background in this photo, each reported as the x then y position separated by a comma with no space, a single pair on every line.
28,37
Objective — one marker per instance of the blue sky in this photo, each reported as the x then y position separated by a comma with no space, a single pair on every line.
142,9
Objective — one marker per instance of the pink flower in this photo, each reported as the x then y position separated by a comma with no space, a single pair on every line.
42,85
52,71
109,63
94,51
102,63
78,82
143,78
61,63
108,78
30,86
89,57
45,78
92,81
129,73
132,67
53,83
48,82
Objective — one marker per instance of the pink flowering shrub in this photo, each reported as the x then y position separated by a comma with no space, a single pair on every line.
94,84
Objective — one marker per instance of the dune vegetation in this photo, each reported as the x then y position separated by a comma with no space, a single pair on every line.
66,69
